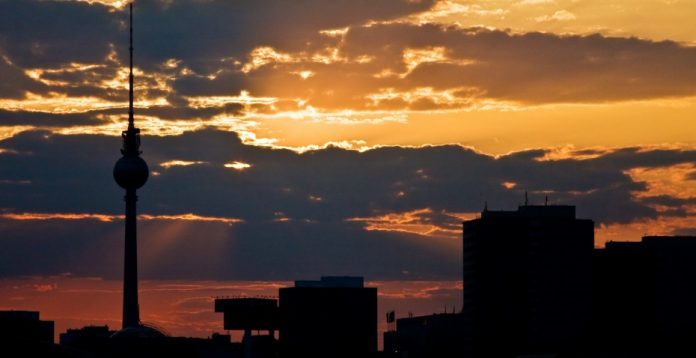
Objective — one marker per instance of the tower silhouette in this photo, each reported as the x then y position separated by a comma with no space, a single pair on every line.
130,173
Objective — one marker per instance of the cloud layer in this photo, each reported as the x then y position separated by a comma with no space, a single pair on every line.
388,213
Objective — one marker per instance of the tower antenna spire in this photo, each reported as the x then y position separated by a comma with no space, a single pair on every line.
130,77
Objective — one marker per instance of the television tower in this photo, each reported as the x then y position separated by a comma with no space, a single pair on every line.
130,173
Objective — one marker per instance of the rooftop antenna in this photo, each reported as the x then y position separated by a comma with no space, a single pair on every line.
485,206
526,198
546,201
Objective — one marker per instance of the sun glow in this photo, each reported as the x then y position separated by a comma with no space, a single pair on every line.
244,98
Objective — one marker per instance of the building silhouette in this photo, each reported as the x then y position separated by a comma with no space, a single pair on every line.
645,296
437,335
25,326
89,338
527,281
332,317
24,334
250,314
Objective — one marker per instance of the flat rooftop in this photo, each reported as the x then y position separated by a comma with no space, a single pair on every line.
533,211
333,282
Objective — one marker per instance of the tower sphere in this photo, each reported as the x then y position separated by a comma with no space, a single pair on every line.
131,172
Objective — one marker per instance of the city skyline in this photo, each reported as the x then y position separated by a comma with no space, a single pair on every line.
334,138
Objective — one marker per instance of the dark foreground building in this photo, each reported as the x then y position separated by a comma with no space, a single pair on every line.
249,314
332,317
23,333
437,335
645,296
100,341
25,326
89,338
527,281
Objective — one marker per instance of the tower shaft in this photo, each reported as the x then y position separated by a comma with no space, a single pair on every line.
131,311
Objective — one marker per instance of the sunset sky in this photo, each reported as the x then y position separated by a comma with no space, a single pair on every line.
293,139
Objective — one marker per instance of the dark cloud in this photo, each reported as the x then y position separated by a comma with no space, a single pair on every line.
685,232
49,33
317,191
692,175
206,32
14,81
666,200
348,183
21,118
542,68
101,117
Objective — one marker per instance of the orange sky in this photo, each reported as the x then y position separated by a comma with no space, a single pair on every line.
185,308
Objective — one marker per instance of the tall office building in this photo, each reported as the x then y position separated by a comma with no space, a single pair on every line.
527,280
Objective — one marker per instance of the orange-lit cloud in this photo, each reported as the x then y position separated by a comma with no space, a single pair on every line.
677,181
237,165
571,152
11,131
634,231
113,3
111,218
559,15
414,57
669,19
60,103
219,101
180,163
190,217
280,217
59,216
420,222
